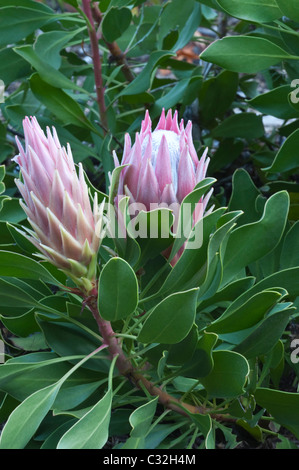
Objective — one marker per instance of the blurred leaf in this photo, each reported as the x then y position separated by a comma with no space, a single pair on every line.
275,103
286,158
245,54
46,72
17,23
216,95
143,80
48,46
289,8
245,125
59,103
115,22
262,12
12,66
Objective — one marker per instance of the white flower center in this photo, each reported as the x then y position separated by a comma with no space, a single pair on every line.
173,141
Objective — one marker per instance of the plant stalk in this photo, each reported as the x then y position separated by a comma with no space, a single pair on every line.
97,64
125,368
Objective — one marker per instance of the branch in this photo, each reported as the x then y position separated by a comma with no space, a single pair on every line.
100,92
125,368
114,48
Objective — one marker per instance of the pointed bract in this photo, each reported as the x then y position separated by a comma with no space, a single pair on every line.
65,226
163,166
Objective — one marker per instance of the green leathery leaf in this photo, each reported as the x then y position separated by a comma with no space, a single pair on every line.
289,8
217,94
143,80
262,11
67,110
243,125
286,279
261,236
118,290
46,72
247,315
201,363
26,418
286,158
289,256
13,295
171,320
228,376
205,424
264,337
17,265
183,225
283,406
244,196
115,23
67,338
180,352
140,421
91,431
275,103
246,54
48,45
17,22
189,28
151,230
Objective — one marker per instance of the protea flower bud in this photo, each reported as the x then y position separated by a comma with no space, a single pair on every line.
65,227
163,166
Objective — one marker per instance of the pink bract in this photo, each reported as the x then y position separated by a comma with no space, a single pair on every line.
65,227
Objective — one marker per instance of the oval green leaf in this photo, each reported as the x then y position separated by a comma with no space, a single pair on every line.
228,376
245,54
261,11
115,23
171,320
118,290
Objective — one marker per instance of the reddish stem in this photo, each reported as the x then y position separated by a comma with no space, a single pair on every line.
126,369
87,9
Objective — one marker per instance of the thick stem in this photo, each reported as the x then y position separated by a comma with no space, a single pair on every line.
97,64
136,378
114,48
122,363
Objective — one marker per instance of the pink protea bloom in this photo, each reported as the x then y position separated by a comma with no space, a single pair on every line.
65,227
163,166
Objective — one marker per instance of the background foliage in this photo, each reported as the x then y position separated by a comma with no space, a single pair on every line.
230,67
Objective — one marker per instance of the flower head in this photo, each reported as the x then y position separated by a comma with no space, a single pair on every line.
162,166
65,227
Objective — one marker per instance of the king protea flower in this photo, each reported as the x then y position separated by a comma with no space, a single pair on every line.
65,227
162,165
